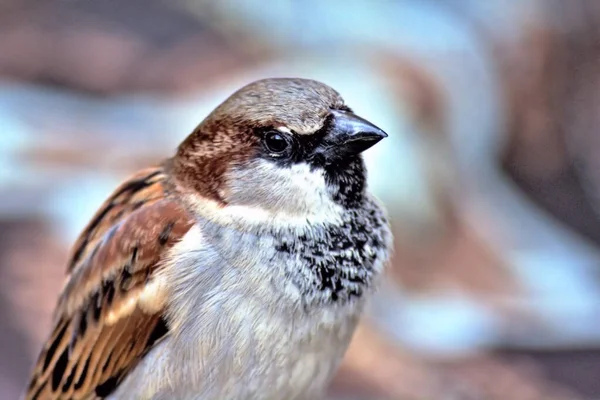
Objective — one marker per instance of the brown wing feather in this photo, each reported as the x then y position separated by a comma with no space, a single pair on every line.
101,327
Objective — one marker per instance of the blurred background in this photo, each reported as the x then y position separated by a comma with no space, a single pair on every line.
491,173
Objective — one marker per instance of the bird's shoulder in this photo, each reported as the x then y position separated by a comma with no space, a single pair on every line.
110,312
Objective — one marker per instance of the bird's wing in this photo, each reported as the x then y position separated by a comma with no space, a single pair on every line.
110,312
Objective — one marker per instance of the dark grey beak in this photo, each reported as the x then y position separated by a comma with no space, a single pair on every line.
348,135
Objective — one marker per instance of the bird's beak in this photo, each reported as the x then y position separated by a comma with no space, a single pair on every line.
349,135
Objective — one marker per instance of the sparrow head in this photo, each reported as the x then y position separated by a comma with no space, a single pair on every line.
276,151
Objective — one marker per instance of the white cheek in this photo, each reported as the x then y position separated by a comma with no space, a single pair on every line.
295,189
265,194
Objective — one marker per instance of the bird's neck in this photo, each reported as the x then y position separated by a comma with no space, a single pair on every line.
320,264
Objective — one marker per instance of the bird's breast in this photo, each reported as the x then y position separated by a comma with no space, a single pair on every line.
239,327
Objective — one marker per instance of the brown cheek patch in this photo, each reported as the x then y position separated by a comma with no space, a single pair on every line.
205,177
205,157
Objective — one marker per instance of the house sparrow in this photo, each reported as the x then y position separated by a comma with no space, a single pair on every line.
237,269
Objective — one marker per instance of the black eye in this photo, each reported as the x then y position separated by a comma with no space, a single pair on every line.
275,142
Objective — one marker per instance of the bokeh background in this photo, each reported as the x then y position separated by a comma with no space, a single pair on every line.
491,173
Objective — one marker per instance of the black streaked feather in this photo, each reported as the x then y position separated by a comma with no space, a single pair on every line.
54,346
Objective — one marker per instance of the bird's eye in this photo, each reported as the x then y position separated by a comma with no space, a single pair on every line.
275,142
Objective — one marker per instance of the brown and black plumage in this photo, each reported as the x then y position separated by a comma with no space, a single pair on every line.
236,269
101,327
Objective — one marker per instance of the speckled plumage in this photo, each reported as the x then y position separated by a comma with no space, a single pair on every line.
229,271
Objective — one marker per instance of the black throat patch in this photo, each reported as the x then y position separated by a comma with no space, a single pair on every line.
341,260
